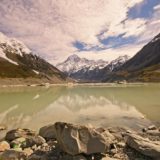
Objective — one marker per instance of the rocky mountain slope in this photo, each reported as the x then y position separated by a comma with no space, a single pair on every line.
144,66
86,70
18,61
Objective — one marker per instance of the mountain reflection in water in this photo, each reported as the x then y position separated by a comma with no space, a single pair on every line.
33,107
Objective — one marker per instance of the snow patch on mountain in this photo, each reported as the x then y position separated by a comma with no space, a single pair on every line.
35,71
14,45
118,62
3,55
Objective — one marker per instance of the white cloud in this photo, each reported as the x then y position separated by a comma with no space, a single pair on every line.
130,27
111,54
50,27
157,7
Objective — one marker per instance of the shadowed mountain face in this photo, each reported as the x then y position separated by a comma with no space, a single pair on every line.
17,61
148,56
144,66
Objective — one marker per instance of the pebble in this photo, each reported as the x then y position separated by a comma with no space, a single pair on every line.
4,145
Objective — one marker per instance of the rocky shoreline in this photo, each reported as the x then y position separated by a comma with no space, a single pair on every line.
64,141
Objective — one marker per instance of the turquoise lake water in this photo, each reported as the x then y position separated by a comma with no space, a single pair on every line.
131,106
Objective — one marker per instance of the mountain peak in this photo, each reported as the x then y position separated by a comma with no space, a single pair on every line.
13,44
73,57
17,61
75,64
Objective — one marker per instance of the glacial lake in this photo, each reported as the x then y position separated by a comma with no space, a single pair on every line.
133,105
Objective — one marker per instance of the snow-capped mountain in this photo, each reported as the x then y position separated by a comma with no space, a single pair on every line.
115,64
143,67
89,70
18,61
13,46
74,64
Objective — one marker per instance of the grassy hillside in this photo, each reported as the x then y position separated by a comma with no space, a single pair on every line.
148,74
9,70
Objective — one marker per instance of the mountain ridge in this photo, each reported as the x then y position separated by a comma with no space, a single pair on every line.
144,66
85,70
18,61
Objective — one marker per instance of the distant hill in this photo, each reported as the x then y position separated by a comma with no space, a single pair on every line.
144,66
18,61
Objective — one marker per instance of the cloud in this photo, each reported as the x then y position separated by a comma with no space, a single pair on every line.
130,27
51,27
111,54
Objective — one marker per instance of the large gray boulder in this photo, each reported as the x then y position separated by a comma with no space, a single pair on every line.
75,139
48,132
143,145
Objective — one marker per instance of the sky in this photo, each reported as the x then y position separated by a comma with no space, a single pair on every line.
95,29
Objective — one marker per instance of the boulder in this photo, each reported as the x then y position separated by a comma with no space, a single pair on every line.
143,145
17,133
13,155
48,132
34,140
75,139
4,146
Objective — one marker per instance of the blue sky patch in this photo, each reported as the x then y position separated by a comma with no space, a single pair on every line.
117,41
143,10
81,46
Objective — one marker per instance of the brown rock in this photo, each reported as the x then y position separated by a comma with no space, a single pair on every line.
152,127
142,145
48,132
13,155
17,133
34,140
28,151
4,146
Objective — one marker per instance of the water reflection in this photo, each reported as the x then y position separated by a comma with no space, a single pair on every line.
101,106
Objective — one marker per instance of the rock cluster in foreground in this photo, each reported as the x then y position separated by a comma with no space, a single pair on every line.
64,141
